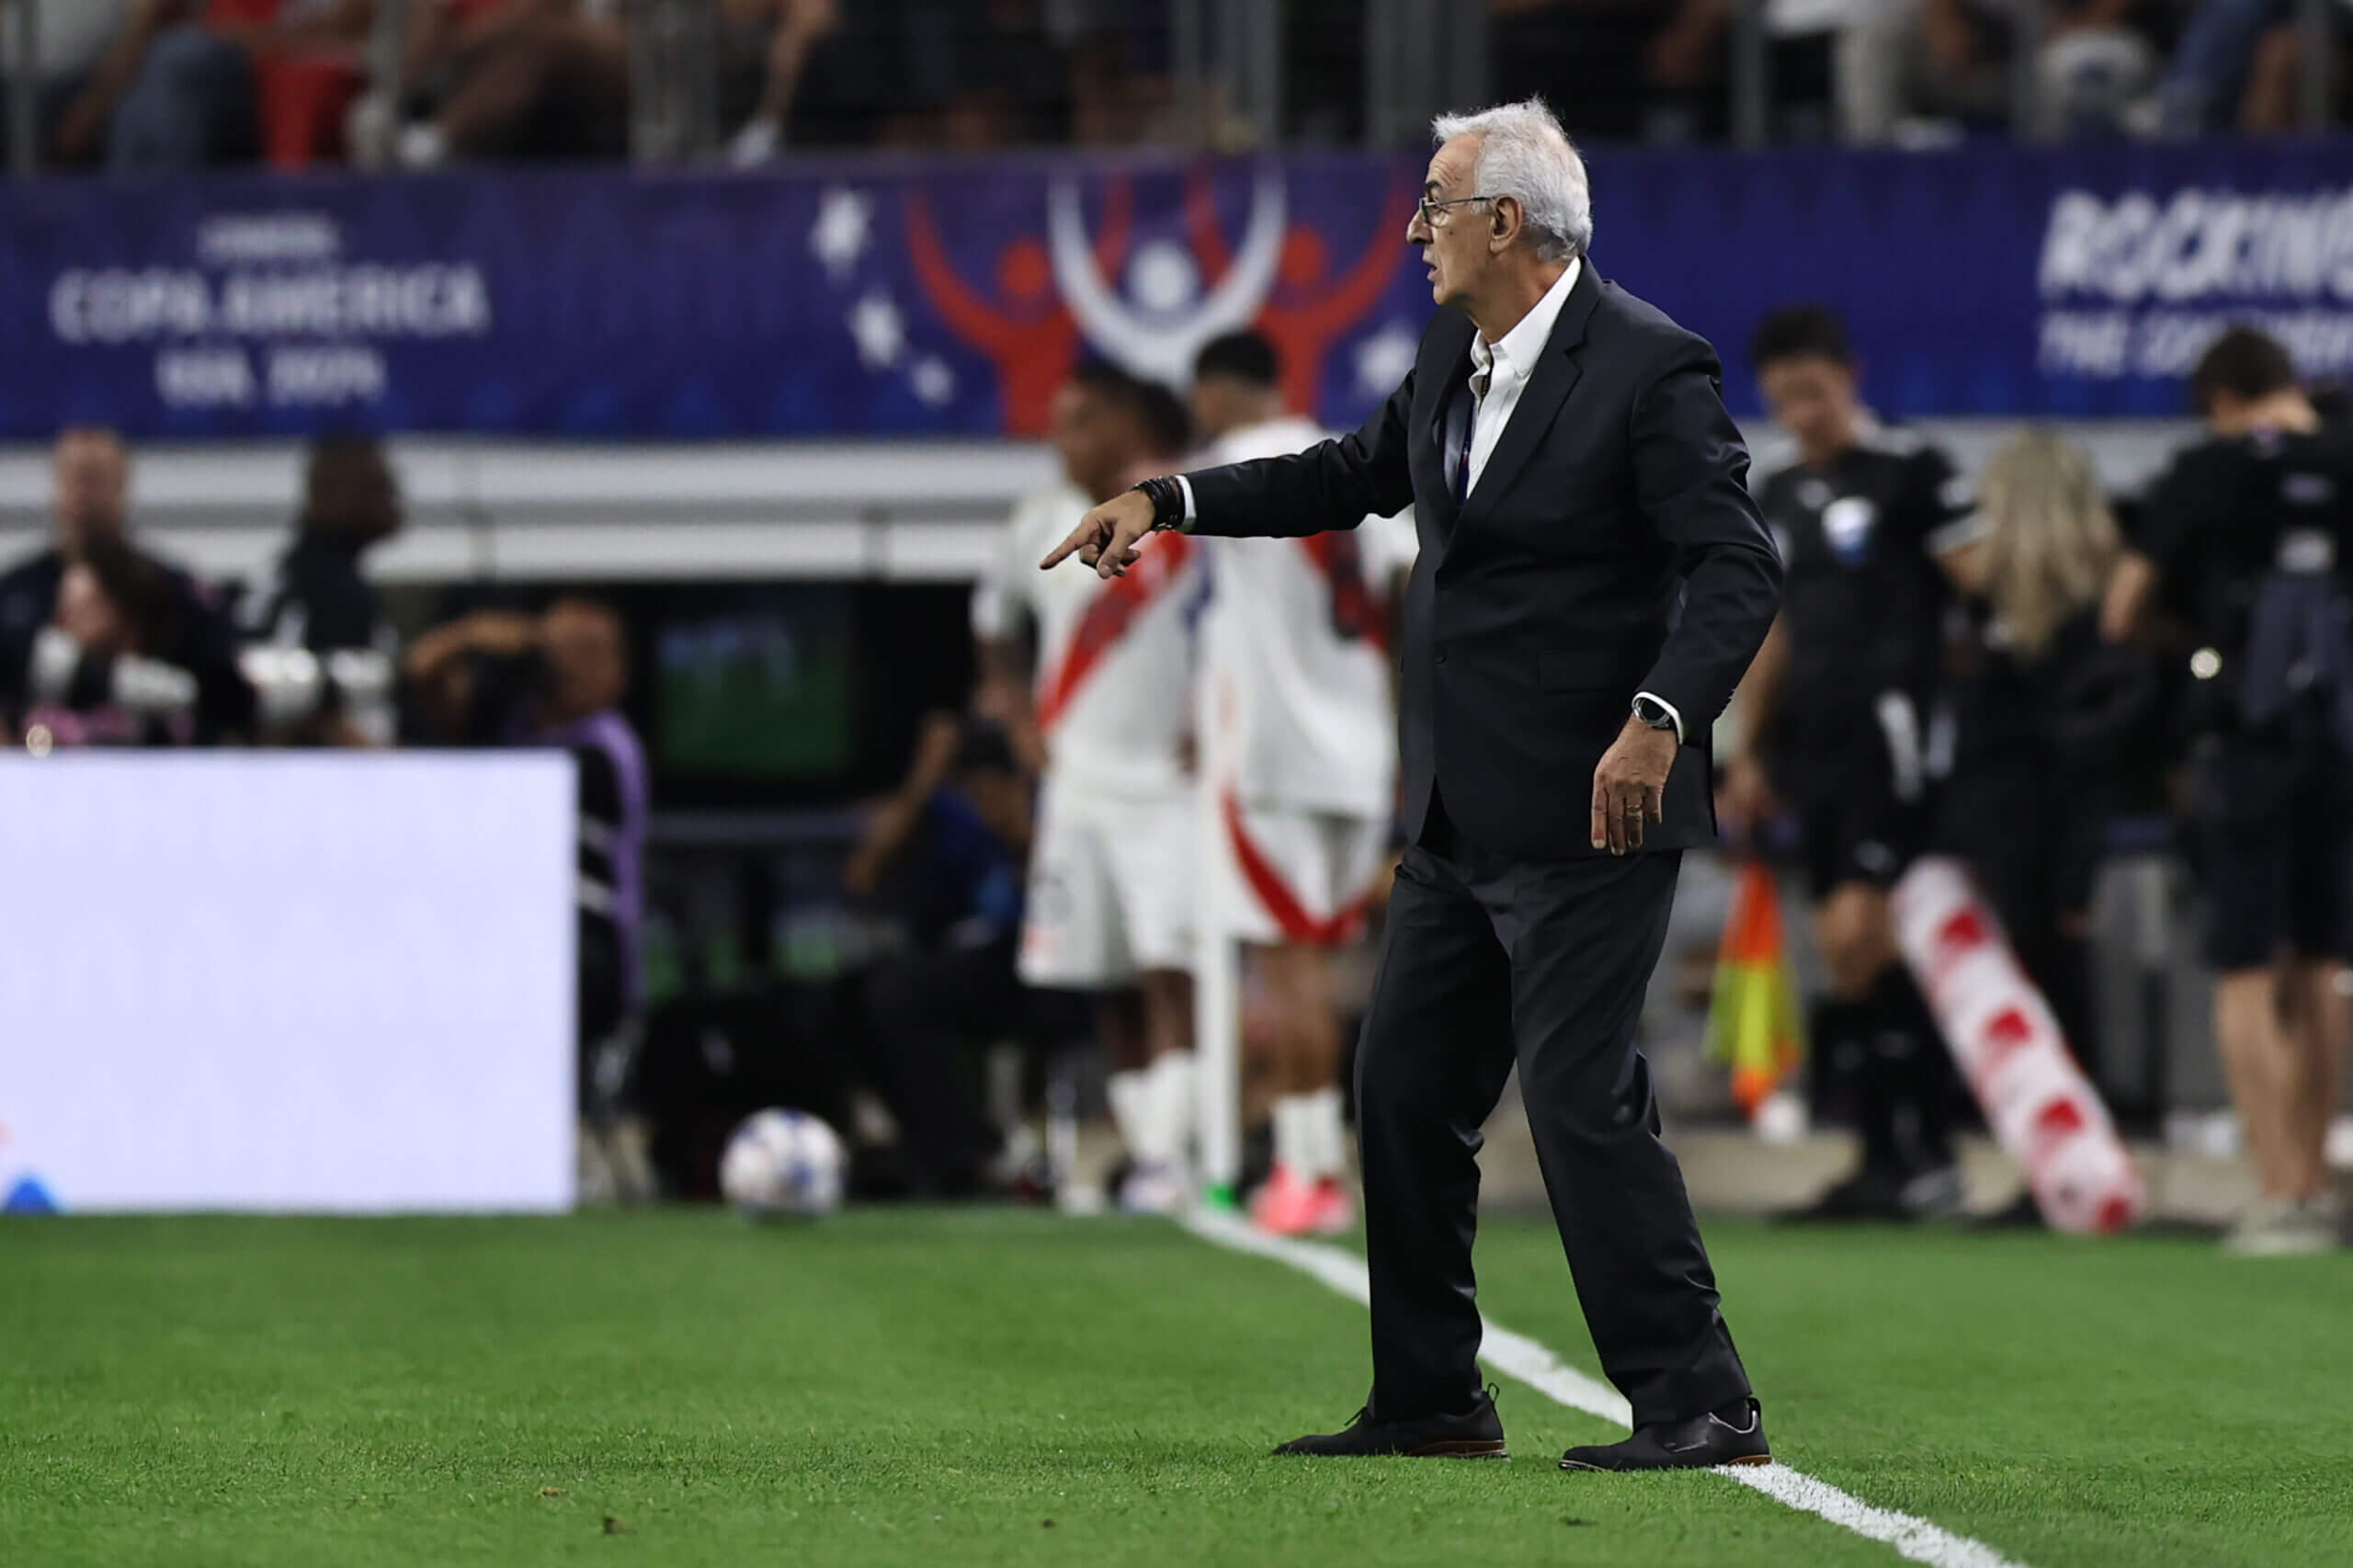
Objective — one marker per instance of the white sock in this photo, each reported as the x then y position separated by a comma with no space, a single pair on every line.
1327,1135
1294,1139
1131,1097
1310,1140
1172,1103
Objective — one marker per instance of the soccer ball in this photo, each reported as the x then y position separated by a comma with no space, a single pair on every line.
782,1162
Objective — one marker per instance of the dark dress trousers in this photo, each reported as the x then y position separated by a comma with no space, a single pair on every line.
1609,547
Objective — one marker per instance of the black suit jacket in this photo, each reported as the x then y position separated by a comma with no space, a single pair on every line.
1610,547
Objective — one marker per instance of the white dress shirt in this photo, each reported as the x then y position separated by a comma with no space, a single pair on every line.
1499,373
1500,370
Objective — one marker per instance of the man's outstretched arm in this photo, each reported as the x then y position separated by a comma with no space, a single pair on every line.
1332,484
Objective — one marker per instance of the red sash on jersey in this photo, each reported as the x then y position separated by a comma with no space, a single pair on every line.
1357,614
1291,917
1108,619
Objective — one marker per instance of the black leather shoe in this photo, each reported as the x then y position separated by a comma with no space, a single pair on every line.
1700,1444
1476,1434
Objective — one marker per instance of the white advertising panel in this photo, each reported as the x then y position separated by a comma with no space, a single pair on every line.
287,982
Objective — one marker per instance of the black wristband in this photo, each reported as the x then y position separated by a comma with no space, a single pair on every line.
1167,498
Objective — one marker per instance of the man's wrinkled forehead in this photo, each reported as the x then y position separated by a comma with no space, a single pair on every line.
1451,167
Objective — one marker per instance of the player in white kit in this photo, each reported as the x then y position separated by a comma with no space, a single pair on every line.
1304,760
1106,700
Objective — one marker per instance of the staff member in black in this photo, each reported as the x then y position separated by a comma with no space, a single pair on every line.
320,648
1868,520
2046,714
2248,538
1593,580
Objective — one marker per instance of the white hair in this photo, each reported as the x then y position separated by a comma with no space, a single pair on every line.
1525,155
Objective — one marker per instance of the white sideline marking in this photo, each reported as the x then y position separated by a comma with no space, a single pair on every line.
1523,1359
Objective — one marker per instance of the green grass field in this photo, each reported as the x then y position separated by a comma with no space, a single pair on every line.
1010,1388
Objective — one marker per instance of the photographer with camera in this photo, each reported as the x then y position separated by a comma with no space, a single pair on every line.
557,680
2245,546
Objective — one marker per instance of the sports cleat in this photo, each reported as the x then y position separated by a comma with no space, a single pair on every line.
1477,1434
1152,1190
1286,1206
1702,1443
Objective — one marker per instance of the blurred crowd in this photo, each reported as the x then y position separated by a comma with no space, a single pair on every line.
1919,71
182,83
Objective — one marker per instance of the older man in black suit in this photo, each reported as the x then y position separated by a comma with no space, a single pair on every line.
1593,581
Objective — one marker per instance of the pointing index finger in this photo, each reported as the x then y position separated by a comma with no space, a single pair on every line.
1061,551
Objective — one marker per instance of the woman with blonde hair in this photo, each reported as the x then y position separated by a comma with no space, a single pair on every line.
2048,540
2041,708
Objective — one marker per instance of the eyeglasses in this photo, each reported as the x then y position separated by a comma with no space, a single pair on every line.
1435,214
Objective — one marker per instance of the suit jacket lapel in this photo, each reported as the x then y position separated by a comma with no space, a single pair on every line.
1547,387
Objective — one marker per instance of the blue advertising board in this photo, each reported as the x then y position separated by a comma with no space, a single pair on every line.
947,297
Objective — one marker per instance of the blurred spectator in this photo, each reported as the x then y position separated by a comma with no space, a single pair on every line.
567,671
2248,541
151,614
320,648
2207,77
2043,710
170,92
1324,66
1903,61
1621,70
505,79
2272,104
184,84
962,75
587,660
114,613
946,852
2095,73
1122,72
765,48
310,63
71,37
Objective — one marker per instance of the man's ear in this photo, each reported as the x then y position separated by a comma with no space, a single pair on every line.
1505,223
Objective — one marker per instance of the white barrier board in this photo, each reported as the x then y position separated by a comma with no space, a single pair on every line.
287,982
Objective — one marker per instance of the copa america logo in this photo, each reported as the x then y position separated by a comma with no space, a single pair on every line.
1159,322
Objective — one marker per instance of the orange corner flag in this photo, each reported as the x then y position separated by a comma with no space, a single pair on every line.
1753,1023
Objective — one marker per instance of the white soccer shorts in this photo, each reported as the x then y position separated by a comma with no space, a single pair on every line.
1113,886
